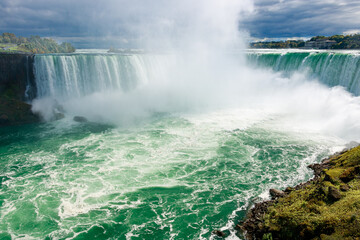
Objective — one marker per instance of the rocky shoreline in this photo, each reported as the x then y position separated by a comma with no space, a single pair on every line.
325,207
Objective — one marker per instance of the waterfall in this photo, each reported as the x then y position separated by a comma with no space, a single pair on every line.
77,75
330,68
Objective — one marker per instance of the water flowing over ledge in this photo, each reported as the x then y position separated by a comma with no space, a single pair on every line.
332,68
76,75
178,174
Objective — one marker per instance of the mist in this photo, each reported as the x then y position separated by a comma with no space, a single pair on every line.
203,69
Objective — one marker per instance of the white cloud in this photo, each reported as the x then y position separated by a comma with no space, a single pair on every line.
352,31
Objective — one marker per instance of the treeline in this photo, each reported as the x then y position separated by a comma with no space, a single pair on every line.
279,44
36,44
342,42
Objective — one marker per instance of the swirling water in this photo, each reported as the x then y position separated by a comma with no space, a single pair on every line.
174,175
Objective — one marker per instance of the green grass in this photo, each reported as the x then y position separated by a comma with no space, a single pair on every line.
10,47
309,213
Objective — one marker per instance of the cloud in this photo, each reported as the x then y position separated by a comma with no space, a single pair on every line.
135,20
289,18
90,23
352,31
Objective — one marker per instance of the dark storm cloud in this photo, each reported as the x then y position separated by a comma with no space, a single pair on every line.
289,18
66,19
114,21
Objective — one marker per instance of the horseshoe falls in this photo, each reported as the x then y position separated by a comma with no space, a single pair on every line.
333,68
175,146
78,75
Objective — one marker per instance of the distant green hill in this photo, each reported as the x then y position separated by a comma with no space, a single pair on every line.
33,44
342,42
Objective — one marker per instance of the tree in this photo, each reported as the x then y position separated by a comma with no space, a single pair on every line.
318,38
337,38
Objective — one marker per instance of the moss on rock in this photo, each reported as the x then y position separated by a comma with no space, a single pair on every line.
327,207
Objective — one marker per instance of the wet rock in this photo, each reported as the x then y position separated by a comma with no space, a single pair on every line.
318,168
278,222
15,112
289,189
250,226
80,119
334,194
326,161
219,233
4,119
344,187
275,193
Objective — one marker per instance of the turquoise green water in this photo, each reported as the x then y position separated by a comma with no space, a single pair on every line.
170,177
341,68
176,175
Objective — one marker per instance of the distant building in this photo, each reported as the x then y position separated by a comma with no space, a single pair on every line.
320,44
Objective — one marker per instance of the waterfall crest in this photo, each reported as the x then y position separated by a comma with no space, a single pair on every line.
77,75
331,68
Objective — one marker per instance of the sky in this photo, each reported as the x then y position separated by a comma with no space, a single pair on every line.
300,18
89,23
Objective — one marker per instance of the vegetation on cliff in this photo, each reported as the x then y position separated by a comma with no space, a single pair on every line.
342,42
279,44
327,207
33,44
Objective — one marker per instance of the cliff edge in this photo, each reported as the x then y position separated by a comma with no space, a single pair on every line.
326,207
17,87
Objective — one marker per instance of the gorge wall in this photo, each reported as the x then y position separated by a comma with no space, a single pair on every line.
17,75
17,86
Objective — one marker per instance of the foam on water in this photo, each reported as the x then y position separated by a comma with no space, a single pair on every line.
177,144
173,177
187,149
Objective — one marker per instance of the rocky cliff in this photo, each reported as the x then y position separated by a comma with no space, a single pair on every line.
17,87
326,207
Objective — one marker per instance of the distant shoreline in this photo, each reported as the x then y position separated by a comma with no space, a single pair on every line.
338,42
10,43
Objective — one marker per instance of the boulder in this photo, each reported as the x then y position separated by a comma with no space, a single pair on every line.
275,193
344,187
80,119
334,194
219,233
289,189
349,174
